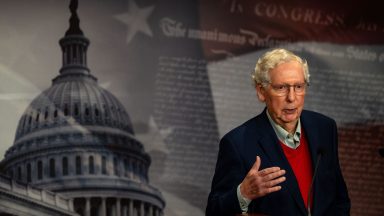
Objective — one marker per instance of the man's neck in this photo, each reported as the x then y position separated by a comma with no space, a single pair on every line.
289,127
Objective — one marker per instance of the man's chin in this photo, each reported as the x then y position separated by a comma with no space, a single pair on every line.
290,119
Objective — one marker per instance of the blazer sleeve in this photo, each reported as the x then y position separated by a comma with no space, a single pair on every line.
229,173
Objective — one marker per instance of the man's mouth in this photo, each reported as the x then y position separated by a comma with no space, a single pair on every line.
289,111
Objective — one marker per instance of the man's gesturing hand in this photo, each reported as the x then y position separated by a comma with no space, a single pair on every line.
259,183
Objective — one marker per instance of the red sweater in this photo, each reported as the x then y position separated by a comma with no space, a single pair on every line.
301,164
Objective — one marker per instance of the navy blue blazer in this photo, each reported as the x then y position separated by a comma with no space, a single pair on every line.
256,137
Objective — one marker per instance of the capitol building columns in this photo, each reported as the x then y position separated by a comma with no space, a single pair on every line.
102,206
103,209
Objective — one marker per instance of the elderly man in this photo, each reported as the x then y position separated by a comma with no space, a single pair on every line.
285,160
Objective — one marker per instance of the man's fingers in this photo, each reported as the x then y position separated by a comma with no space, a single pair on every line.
274,182
259,183
265,191
268,170
273,175
272,189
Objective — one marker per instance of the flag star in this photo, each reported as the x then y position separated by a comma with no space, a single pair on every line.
153,139
136,20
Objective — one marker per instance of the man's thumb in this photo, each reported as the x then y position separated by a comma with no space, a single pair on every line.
257,163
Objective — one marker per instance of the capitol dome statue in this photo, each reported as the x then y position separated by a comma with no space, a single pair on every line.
76,139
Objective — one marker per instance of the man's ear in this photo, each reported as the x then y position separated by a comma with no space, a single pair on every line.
260,92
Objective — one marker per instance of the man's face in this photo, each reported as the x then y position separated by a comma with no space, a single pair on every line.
284,108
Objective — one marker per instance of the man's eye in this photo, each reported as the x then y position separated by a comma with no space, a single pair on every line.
280,87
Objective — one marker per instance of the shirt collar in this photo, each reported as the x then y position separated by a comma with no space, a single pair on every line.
290,140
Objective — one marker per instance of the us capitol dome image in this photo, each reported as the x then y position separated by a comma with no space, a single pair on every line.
75,151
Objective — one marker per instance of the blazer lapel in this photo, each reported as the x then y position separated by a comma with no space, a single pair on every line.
314,144
312,138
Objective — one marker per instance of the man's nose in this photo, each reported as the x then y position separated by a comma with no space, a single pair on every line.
291,95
